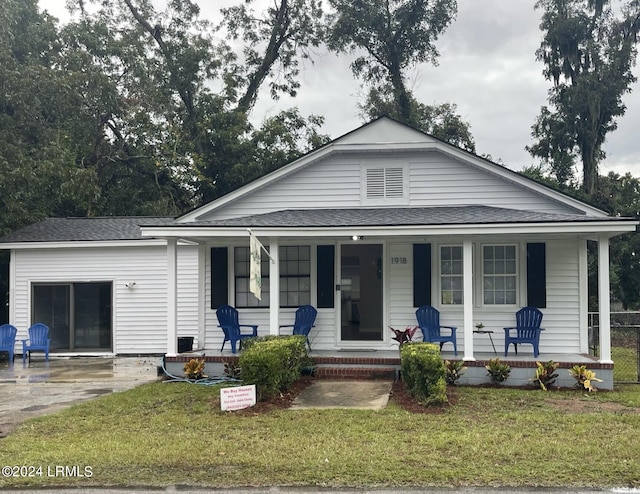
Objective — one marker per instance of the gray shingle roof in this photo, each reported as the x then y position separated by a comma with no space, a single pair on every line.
84,229
128,228
456,215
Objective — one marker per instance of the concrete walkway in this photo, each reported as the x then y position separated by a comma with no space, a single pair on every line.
344,394
40,387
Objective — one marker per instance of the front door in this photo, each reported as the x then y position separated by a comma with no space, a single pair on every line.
361,292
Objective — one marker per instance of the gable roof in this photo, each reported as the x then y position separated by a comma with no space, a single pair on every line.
84,229
387,134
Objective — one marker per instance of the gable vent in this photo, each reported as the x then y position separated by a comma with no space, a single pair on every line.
385,183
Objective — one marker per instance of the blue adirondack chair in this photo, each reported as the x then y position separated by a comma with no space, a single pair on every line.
429,321
8,340
228,321
304,321
38,340
527,330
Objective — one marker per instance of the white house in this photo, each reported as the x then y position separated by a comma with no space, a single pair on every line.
367,228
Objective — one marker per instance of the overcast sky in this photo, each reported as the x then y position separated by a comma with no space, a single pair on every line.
487,67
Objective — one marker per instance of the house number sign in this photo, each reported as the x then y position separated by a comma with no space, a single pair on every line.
399,260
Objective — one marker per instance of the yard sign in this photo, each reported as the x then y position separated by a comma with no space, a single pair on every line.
238,397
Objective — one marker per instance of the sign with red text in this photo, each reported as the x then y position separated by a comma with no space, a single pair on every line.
238,397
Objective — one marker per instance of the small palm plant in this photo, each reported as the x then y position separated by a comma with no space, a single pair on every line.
584,377
498,371
546,374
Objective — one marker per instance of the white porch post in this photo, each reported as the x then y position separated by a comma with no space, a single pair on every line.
604,303
202,257
467,270
274,287
583,266
172,297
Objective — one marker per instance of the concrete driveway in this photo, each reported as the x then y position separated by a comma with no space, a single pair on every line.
40,387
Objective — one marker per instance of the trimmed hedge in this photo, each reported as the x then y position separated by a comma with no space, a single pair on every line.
424,372
273,363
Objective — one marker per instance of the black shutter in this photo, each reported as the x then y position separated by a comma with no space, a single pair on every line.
325,278
421,274
219,277
536,275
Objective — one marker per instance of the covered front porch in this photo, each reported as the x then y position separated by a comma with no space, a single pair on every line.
366,270
385,364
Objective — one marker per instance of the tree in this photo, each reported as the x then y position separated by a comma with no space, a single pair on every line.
274,44
588,52
394,36
182,100
38,177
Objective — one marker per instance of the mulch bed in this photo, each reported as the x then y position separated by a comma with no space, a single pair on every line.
398,396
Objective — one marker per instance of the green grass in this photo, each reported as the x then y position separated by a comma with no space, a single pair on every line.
165,434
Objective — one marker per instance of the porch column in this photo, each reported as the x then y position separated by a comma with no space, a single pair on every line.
172,297
467,275
274,287
583,266
202,259
604,303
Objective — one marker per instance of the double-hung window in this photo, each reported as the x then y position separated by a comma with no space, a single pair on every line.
451,276
243,296
499,275
295,277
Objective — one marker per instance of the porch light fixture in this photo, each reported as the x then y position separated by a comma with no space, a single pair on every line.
130,285
356,237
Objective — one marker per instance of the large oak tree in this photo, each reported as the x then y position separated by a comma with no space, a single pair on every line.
588,50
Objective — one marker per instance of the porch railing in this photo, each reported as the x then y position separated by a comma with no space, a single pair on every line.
625,344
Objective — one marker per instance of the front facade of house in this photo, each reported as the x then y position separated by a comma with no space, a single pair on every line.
368,228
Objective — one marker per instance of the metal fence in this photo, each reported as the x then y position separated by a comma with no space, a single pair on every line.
625,344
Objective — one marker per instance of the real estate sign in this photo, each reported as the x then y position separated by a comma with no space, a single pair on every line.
238,397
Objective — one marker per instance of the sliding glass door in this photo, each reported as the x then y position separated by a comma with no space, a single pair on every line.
79,315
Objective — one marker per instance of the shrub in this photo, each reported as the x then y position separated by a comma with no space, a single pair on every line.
423,372
194,369
584,377
498,371
454,370
273,364
545,374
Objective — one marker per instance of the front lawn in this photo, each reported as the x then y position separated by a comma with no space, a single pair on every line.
175,434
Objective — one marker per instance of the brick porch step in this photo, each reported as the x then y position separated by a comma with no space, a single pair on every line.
387,373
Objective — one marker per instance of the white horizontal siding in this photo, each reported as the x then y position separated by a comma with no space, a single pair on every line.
139,314
435,180
561,316
399,302
188,292
438,180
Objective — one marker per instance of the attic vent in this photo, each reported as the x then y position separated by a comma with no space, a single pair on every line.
385,183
